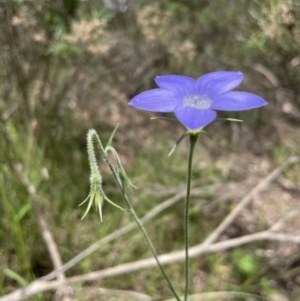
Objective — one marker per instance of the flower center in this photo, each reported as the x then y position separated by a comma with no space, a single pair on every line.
197,101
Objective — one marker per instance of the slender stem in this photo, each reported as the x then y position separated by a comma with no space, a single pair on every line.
193,140
151,247
131,210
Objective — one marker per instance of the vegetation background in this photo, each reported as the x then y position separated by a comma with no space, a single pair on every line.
68,66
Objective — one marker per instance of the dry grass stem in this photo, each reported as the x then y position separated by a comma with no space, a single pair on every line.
64,292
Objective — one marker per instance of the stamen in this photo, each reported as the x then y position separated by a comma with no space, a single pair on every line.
197,101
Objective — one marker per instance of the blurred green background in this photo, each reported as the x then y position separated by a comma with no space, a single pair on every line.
71,65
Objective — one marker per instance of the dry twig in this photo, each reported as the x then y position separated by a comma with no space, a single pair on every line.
64,292
248,198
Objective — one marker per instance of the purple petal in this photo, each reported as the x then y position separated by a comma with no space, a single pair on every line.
177,83
194,119
155,100
216,83
237,101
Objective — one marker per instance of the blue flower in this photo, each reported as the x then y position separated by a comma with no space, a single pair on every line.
194,101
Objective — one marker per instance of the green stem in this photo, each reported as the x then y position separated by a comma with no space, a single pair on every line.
93,134
193,140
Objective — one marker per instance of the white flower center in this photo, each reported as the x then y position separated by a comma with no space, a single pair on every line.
197,101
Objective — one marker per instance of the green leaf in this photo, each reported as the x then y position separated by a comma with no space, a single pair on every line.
247,264
114,204
112,136
178,142
165,119
208,135
13,275
23,211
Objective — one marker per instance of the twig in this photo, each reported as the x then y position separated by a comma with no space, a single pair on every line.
220,295
283,220
180,255
64,292
248,198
